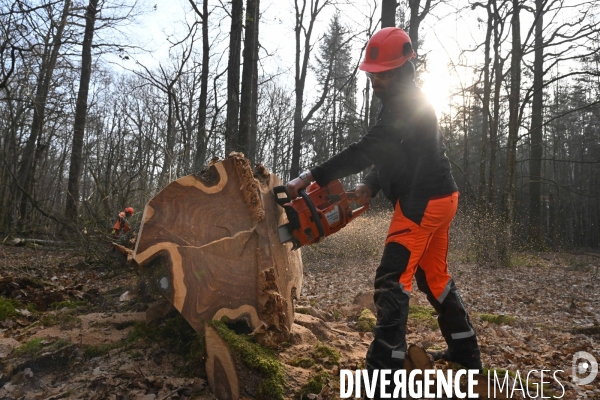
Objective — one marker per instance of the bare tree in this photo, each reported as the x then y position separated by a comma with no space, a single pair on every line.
508,197
303,32
535,164
202,107
416,17
52,43
247,138
233,76
388,13
498,76
76,166
485,107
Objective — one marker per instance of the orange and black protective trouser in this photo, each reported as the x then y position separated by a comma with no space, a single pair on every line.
417,245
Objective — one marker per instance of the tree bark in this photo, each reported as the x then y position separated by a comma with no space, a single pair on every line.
201,139
254,119
498,80
487,88
415,21
233,77
466,108
248,79
166,174
76,165
388,13
508,198
388,19
303,49
535,160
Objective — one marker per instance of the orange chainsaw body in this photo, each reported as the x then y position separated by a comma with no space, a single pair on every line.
319,212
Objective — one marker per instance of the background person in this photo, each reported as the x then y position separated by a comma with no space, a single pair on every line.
121,225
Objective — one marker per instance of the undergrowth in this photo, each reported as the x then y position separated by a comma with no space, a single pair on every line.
35,346
424,315
366,321
174,335
257,358
177,336
326,355
498,319
314,385
9,307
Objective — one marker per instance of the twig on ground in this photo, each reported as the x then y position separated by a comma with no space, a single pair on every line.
171,394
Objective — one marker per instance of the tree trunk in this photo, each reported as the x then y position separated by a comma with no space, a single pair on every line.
248,78
366,121
297,140
487,87
302,57
226,261
535,160
415,22
466,164
498,80
166,174
201,140
388,13
26,170
508,197
75,168
233,77
254,120
388,19
17,111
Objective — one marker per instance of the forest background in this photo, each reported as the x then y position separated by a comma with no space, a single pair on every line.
96,114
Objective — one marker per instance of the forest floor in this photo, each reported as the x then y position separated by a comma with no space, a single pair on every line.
72,329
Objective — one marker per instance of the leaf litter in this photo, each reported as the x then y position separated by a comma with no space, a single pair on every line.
84,340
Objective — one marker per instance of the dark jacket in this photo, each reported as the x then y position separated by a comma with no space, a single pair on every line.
405,147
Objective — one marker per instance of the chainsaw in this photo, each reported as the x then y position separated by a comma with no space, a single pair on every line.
319,212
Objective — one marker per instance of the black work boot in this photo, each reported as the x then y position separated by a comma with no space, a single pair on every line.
470,363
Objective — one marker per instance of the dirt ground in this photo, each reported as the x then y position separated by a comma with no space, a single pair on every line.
75,329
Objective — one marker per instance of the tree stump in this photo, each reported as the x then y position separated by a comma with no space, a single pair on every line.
209,242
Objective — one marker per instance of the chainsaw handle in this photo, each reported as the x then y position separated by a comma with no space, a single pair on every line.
313,211
358,211
282,200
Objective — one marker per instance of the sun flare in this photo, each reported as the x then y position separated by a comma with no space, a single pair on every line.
436,88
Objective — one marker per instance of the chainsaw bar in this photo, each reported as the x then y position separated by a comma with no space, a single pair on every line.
285,233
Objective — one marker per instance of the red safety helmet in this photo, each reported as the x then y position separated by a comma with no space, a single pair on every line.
387,49
129,210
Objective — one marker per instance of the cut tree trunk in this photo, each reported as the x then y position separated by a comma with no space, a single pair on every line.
221,367
209,242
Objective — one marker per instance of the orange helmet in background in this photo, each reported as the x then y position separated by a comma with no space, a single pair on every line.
387,49
129,210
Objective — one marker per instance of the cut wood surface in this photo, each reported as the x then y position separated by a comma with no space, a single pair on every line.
221,367
209,242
